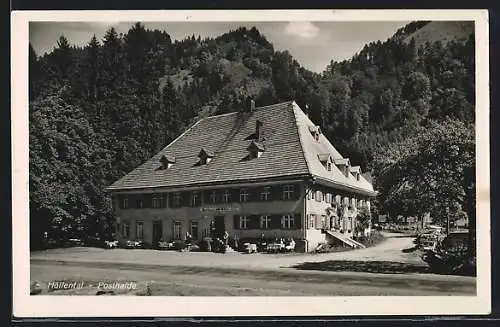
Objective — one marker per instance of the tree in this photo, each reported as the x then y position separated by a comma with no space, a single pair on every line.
433,169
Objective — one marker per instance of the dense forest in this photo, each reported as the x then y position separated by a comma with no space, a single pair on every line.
405,114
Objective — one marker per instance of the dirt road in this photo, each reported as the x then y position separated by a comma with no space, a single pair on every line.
389,250
381,270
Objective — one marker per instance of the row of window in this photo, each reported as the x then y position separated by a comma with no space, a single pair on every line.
315,221
284,221
139,229
196,198
321,196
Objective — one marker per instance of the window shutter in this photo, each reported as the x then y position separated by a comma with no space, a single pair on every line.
236,222
275,221
318,223
253,222
186,199
296,191
205,195
252,191
297,221
276,193
148,200
235,195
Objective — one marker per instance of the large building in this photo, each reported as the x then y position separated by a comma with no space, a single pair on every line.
260,171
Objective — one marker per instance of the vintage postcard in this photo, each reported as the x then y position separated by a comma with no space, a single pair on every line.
262,163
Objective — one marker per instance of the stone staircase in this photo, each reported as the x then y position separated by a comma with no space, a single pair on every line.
345,239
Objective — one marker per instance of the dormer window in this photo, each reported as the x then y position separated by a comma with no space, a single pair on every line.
166,162
326,160
343,165
315,131
205,156
356,171
255,149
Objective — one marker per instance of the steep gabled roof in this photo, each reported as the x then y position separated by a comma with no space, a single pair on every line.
291,151
312,148
226,138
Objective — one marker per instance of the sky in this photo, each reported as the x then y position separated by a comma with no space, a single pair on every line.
312,44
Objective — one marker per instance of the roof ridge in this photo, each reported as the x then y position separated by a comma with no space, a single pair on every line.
256,109
295,107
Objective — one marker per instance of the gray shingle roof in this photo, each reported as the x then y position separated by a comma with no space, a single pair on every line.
227,137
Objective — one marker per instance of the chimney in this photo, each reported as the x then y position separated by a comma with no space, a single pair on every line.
307,110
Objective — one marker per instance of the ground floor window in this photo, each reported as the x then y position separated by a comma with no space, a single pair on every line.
193,229
125,228
243,222
139,230
177,230
312,220
265,222
287,221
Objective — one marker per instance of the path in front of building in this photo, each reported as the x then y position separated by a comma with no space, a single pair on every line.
389,250
380,270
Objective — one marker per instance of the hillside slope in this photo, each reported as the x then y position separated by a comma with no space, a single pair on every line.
443,31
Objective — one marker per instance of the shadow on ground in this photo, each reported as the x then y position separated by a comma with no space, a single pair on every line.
410,250
382,267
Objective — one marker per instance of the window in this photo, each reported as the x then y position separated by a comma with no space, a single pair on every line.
139,203
158,201
243,195
139,230
195,199
213,197
125,203
265,195
329,166
312,220
310,194
226,197
125,229
323,222
193,229
176,199
243,222
287,192
177,230
287,221
319,196
265,222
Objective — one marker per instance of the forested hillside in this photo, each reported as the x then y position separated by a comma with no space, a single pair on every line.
97,112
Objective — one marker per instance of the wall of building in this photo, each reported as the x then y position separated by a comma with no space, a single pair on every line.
205,214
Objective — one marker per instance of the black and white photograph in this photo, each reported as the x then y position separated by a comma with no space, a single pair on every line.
235,163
